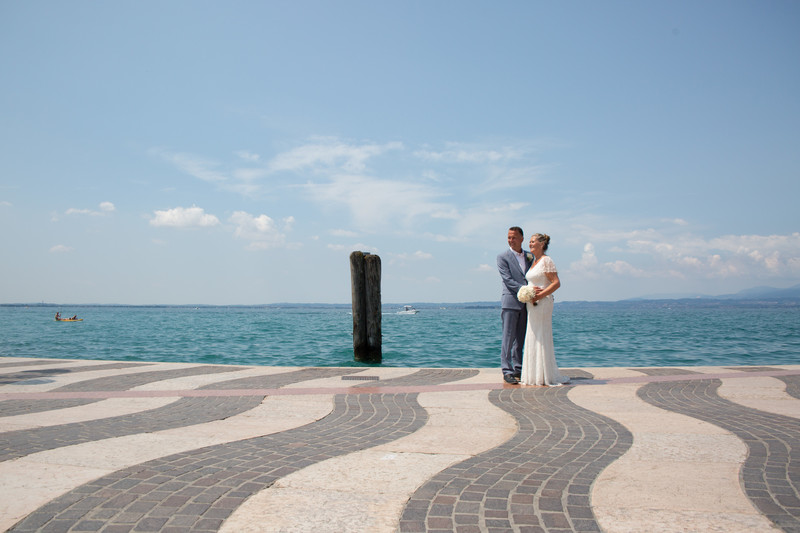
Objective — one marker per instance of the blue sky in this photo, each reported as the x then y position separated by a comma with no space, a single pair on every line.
237,152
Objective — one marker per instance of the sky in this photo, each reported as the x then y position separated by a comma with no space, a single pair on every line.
197,152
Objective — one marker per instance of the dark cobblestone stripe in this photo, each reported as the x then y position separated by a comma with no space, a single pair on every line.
771,473
754,368
199,489
539,480
181,413
35,362
576,374
667,371
108,383
425,376
792,385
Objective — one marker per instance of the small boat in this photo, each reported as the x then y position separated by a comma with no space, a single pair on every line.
408,310
71,319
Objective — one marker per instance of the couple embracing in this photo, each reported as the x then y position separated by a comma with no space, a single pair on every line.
529,280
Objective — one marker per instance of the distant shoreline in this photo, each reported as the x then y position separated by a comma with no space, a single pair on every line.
696,303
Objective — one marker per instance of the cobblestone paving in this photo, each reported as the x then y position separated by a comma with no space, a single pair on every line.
198,490
539,480
108,383
792,385
38,374
753,368
665,371
181,413
771,473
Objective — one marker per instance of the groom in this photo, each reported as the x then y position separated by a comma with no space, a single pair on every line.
512,264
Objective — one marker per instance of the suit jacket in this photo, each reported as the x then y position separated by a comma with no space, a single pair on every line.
513,278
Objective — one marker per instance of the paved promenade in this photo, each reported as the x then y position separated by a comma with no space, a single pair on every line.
120,446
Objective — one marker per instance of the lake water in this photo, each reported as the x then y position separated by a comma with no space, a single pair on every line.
600,335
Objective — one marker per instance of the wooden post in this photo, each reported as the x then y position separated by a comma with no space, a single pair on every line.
373,276
365,277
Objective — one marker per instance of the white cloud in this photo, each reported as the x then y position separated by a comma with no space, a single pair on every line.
4,203
60,249
652,254
486,268
261,231
183,217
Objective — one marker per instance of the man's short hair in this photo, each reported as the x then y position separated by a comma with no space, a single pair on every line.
517,229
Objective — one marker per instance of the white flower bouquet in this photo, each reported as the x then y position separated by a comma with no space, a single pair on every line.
526,294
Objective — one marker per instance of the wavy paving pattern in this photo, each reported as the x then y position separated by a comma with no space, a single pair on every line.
197,490
539,480
770,473
109,383
181,413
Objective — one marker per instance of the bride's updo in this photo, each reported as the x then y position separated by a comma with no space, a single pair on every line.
543,238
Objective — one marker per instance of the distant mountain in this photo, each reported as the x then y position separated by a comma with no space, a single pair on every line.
755,293
759,293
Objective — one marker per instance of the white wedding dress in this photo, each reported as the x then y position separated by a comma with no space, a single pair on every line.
538,356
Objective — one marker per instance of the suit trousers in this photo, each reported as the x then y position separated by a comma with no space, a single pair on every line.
515,323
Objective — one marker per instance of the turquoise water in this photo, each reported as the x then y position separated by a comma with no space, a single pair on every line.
452,337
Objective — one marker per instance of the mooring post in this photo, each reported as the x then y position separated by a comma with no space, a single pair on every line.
365,277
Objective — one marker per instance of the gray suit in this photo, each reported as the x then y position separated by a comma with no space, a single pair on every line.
514,313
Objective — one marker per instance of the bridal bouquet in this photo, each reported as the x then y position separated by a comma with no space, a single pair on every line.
526,294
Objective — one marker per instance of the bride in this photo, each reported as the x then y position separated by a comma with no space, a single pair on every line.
538,358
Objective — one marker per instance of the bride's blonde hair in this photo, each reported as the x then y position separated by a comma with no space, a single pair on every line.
543,237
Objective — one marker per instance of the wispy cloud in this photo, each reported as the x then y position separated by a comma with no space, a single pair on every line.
104,209
183,217
419,255
376,203
471,153
194,165
330,153
248,156
60,249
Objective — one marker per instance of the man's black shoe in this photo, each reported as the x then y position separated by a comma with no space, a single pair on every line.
518,376
509,378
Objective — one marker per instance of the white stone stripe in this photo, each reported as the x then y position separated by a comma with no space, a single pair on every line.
678,471
366,491
762,393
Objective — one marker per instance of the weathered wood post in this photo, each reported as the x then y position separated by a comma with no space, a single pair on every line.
365,277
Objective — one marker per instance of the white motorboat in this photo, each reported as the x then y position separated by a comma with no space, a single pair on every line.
408,310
